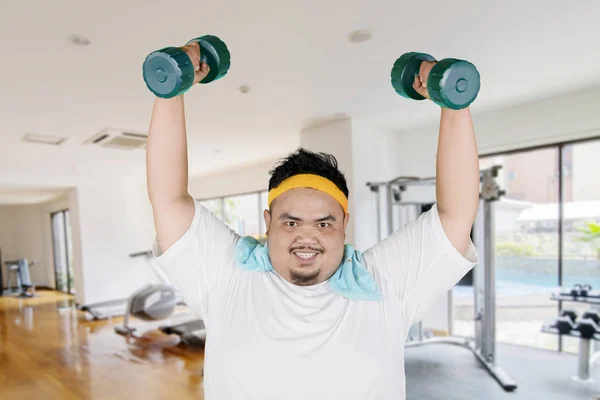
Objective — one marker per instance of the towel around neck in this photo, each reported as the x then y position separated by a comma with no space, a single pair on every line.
351,280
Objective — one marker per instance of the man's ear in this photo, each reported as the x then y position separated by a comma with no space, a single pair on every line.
267,217
346,220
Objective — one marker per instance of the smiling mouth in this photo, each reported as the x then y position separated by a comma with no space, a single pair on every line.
306,256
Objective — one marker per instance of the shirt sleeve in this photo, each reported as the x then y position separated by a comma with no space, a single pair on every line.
421,263
202,256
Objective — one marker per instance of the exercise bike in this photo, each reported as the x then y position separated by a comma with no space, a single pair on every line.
155,302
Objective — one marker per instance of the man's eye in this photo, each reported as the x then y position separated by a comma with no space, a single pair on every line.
291,224
324,225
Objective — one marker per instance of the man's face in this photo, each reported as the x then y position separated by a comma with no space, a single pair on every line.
306,230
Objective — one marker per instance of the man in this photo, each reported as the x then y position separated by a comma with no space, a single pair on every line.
306,316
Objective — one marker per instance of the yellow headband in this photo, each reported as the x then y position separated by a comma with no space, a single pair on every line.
310,181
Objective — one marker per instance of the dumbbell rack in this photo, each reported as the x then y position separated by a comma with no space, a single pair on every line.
586,362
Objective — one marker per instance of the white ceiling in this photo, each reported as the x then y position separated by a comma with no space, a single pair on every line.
294,55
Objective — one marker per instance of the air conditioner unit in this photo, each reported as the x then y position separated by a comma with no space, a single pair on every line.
118,139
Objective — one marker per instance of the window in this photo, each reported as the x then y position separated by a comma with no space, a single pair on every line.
546,236
64,280
242,213
581,224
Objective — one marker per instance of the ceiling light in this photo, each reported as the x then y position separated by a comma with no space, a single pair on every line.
360,35
244,89
79,40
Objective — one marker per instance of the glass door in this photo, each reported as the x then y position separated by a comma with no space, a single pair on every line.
62,247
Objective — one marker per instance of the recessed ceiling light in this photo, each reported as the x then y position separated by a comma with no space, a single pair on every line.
360,35
79,40
244,89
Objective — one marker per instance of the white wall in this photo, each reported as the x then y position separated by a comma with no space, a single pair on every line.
22,236
245,179
562,118
376,159
115,221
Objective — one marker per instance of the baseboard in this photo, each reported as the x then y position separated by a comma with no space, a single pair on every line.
37,288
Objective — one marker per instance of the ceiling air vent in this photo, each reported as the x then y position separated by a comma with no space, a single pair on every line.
117,139
44,139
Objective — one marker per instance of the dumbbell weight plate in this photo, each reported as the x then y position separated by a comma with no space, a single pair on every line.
404,71
587,328
569,313
168,72
453,83
593,315
585,290
215,53
564,325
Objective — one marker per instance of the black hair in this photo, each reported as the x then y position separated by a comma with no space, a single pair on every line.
304,161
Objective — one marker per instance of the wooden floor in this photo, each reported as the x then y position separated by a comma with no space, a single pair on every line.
49,350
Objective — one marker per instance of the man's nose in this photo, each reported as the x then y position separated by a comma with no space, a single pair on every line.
307,236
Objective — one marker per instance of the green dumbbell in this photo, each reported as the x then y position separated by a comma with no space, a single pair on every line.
169,72
451,83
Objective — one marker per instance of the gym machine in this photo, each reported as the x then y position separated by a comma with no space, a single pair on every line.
585,327
119,307
104,309
483,344
19,269
155,302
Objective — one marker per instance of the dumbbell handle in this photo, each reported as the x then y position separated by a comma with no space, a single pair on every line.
193,50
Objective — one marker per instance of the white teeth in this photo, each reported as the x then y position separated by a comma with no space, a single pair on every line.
305,255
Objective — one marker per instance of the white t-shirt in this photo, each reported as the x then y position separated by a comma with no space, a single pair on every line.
269,339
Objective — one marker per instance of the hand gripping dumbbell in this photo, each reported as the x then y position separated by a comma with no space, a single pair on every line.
452,83
169,72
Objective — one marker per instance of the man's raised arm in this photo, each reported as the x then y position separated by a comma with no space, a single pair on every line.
457,169
167,163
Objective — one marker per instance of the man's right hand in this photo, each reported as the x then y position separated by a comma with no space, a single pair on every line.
192,49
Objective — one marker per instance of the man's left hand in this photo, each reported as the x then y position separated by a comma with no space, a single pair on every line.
420,83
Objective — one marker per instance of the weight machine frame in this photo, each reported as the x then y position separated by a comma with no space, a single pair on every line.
483,344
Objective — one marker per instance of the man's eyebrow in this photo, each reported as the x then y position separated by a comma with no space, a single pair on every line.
289,216
327,218
293,218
